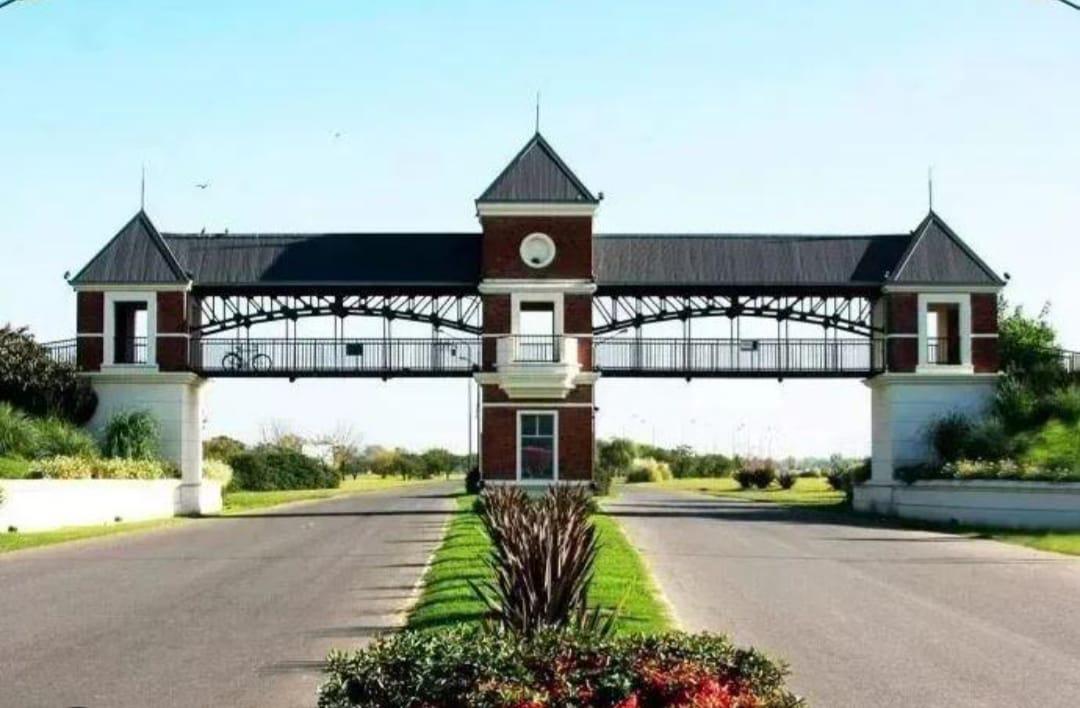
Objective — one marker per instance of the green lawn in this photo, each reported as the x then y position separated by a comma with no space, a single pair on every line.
239,502
21,541
621,578
1056,541
808,491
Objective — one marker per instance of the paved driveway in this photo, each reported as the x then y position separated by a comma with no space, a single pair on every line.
235,611
868,616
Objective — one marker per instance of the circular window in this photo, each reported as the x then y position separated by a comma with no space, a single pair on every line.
537,250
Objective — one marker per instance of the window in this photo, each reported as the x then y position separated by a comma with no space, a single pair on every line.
943,334
536,332
130,323
537,448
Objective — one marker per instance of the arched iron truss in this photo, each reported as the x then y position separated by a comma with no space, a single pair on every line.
844,313
220,313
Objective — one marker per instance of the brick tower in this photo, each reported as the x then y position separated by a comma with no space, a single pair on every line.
537,425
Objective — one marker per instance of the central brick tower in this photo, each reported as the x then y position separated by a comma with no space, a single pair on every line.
537,378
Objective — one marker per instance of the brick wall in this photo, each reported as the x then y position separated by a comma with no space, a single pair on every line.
903,313
502,239
985,356
90,319
984,313
903,353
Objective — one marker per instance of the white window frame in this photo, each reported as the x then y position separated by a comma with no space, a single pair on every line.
149,298
516,299
555,447
963,301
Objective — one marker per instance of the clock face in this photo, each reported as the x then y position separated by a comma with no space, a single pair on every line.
537,250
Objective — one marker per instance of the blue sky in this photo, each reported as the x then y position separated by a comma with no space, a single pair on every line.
695,116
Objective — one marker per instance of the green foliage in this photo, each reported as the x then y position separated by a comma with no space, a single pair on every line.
603,478
268,468
786,480
218,471
59,437
63,467
756,472
950,437
222,447
132,435
471,667
648,469
615,456
14,468
1056,447
472,481
18,437
436,461
542,559
35,383
1029,348
990,469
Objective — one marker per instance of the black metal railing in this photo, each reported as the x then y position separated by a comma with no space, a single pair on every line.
942,351
64,351
534,348
129,350
737,357
1070,361
335,357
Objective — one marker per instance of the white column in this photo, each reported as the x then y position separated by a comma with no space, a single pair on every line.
175,402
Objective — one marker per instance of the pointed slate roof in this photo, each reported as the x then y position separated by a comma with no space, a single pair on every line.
137,254
537,174
937,256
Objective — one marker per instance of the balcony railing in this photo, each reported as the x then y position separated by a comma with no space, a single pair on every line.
533,348
129,350
64,351
335,357
737,357
943,351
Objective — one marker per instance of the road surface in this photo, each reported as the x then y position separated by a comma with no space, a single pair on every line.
866,615
236,611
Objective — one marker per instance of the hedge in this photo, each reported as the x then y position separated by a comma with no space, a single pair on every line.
270,468
67,467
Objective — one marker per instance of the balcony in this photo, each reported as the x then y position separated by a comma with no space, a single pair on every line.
536,366
943,351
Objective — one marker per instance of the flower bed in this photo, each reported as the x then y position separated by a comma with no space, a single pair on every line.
987,469
474,667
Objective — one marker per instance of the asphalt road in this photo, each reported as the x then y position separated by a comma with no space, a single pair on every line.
868,616
236,611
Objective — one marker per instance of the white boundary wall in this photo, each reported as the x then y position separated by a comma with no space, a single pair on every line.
43,504
1009,504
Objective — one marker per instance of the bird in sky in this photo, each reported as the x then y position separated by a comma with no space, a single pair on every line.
204,185
337,134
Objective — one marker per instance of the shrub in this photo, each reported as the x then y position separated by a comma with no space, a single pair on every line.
1056,446
222,447
647,469
18,437
1062,404
616,455
268,467
542,558
756,472
14,468
101,468
786,480
744,478
472,481
31,380
59,437
951,437
132,435
764,476
470,667
217,471
602,481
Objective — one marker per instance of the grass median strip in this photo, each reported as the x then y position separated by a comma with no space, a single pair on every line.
621,580
808,491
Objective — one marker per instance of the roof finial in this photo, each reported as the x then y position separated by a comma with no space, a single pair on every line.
930,185
142,190
537,111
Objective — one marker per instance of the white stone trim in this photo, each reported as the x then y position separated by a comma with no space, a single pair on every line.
985,335
149,298
89,334
534,482
555,443
534,209
545,240
181,335
963,303
133,287
554,298
506,286
139,374
548,405
942,289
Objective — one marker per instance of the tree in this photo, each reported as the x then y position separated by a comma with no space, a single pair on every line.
437,461
616,455
32,381
1029,348
278,433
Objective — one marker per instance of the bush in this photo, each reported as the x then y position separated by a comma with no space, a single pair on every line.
1056,446
756,473
217,471
132,436
99,468
14,468
786,480
31,380
988,469
542,558
268,467
602,481
472,481
951,437
646,469
18,437
222,447
58,437
471,667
